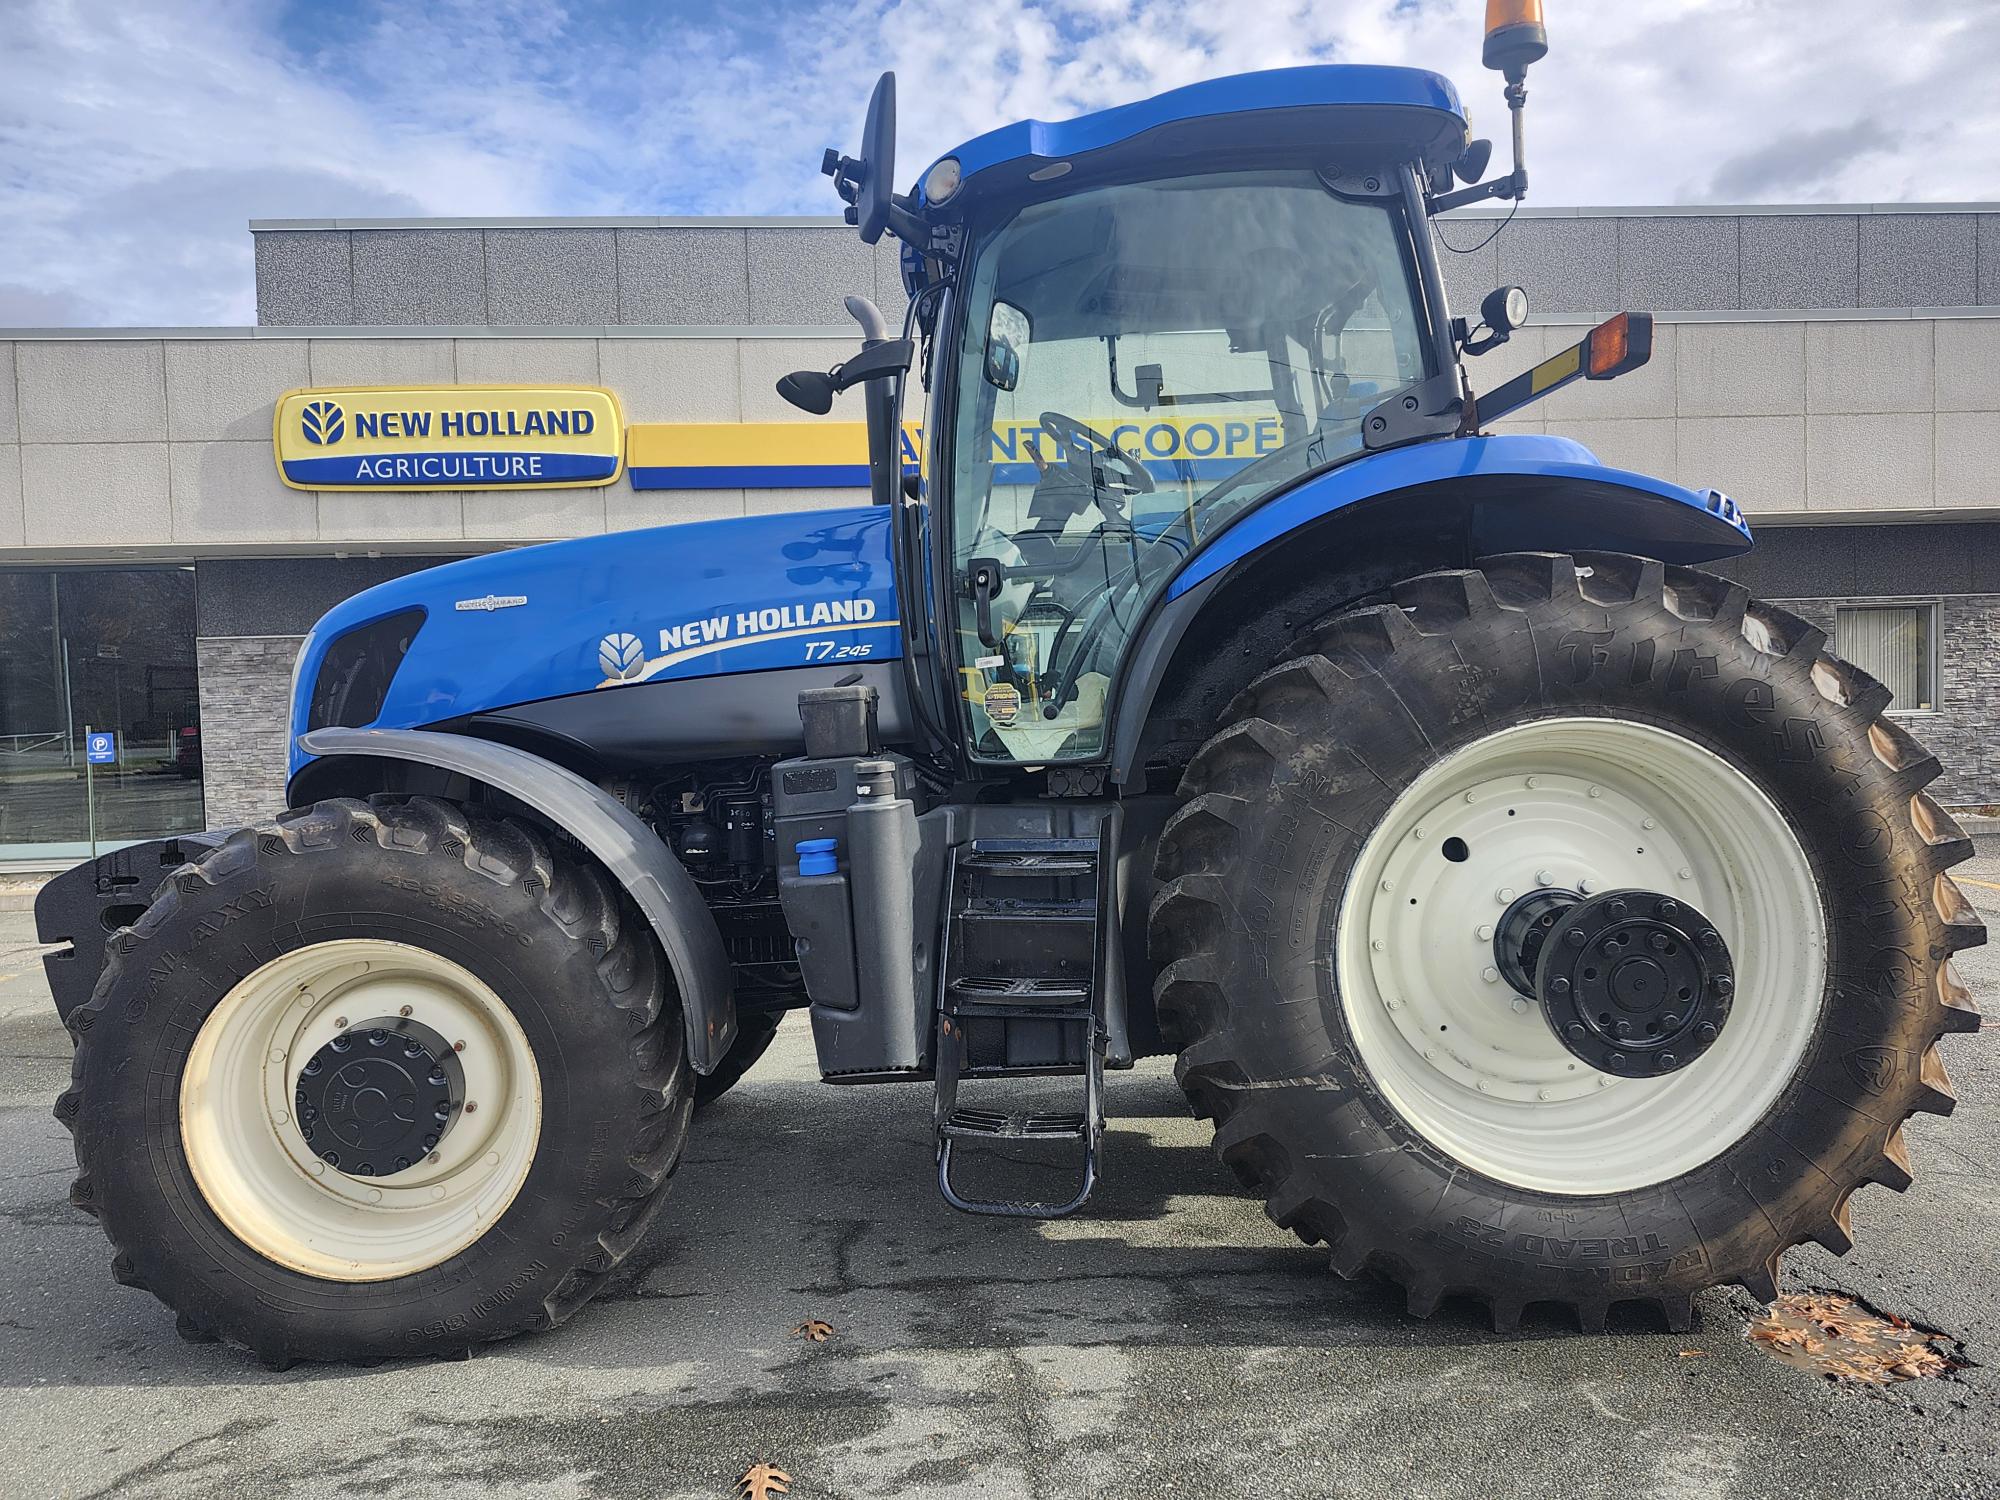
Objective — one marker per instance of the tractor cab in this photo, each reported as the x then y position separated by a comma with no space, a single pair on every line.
1134,328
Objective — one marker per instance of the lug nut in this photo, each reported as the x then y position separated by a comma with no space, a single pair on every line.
1574,1031
1710,938
1659,942
1505,895
1616,909
1670,1020
1485,931
341,1022
1577,937
1617,1059
1622,1028
1724,984
1543,877
470,1107
458,1046
1705,1032
1667,1061
1489,974
1559,985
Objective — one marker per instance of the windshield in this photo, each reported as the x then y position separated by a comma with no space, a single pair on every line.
1141,362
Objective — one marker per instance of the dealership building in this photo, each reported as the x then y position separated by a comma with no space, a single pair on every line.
1835,369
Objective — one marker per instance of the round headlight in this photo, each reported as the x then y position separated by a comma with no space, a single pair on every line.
1517,307
942,180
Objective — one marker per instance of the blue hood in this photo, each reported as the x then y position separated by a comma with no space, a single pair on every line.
606,612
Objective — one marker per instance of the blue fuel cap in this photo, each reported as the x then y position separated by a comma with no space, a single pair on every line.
816,856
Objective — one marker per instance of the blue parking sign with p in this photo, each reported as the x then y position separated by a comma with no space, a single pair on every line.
101,749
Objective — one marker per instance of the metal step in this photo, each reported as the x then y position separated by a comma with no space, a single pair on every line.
1041,860
1030,1125
1008,909
972,990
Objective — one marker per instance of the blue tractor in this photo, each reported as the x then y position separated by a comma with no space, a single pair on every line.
1538,918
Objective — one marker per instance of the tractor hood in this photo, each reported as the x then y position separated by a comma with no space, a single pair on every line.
600,614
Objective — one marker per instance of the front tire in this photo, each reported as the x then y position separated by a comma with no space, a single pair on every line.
1322,931
249,1065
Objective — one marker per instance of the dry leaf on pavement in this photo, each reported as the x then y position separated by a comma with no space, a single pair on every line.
761,1481
814,1331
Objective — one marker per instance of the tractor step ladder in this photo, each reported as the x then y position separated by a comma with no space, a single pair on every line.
1020,997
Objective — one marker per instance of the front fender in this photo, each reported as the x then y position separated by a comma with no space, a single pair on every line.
632,852
1519,488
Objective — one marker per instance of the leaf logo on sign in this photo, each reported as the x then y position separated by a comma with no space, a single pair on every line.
323,422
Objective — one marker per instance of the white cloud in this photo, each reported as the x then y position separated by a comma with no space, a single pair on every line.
135,141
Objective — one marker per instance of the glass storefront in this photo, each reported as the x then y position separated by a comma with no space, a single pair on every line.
109,650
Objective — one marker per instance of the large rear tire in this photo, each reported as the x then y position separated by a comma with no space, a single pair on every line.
1327,899
249,1065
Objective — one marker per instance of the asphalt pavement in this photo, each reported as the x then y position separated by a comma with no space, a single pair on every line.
1169,1341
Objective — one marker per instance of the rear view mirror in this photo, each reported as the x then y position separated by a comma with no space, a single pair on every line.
1008,331
808,390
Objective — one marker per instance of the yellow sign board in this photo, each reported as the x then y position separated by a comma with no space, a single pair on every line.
449,437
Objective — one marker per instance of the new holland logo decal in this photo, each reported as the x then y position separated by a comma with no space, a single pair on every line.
449,437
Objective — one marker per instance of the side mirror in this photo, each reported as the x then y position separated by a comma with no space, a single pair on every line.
1007,330
1470,167
808,390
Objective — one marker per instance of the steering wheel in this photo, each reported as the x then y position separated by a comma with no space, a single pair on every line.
1133,477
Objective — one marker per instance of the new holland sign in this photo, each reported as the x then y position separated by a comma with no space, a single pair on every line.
449,437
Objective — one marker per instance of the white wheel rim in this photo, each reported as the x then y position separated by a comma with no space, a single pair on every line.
1472,1066
261,1178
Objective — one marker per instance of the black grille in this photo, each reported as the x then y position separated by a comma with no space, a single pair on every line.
355,673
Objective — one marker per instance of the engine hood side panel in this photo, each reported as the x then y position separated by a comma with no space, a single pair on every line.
605,613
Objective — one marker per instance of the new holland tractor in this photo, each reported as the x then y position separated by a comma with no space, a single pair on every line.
1538,918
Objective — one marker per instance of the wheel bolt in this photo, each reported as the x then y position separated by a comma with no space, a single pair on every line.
1577,937
1505,895
458,1046
1543,877
1648,823
1559,985
1705,1032
1617,1059
1378,946
470,1107
1520,1006
1710,938
1616,909
341,1022
1667,1061
1485,931
1489,974
1659,942
1574,1031
1667,909
1724,984
1670,1020
1622,1028
404,1011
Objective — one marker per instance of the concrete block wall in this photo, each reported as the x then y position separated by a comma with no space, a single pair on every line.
1589,262
701,273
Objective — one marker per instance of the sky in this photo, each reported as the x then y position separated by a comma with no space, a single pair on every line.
138,137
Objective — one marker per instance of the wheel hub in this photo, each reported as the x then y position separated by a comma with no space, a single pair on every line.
1634,983
379,1096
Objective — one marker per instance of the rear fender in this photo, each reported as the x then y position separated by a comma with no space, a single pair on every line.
634,855
1349,533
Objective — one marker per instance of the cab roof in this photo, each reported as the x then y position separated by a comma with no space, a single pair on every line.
1362,110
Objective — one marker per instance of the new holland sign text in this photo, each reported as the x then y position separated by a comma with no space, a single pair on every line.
449,437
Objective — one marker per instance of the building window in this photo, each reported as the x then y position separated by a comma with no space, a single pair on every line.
1896,644
111,651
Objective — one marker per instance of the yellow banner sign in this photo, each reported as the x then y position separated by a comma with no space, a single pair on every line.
449,437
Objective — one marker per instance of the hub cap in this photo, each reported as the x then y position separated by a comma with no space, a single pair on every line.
1566,811
360,1110
1635,983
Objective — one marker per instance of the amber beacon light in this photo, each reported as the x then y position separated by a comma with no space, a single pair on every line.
1515,36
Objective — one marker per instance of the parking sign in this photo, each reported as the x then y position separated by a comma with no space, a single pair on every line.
101,749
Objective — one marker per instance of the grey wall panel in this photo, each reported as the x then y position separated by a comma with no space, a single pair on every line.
285,595
304,279
1989,260
1684,264
801,275
696,277
1919,260
1564,265
405,276
551,276
1791,562
1800,260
